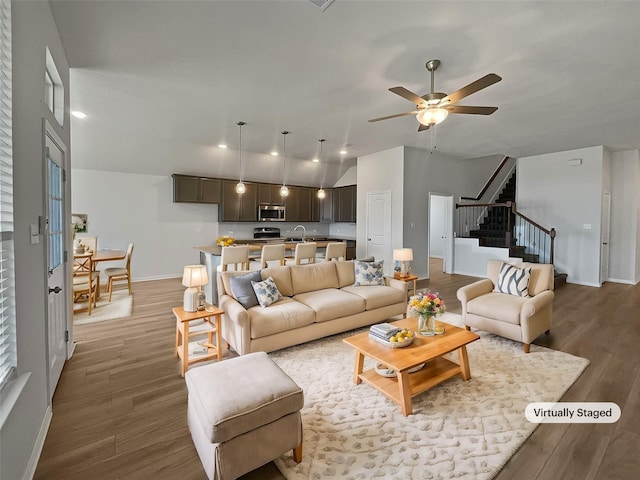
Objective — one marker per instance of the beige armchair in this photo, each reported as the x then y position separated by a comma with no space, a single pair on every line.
511,316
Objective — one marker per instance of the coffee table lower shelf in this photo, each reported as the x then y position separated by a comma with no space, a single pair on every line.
433,373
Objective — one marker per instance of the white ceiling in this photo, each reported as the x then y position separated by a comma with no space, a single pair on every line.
163,82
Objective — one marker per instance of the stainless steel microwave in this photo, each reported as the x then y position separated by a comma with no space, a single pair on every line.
271,213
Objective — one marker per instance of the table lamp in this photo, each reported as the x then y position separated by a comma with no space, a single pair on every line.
403,255
194,277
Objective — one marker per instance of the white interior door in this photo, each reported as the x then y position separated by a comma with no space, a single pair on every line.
606,227
379,226
56,322
441,229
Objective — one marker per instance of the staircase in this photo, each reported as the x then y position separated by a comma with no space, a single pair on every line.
497,226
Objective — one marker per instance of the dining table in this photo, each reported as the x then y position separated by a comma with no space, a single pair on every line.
105,255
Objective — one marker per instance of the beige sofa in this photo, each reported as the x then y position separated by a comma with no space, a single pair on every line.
318,300
518,318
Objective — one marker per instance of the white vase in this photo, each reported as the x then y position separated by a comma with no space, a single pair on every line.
427,325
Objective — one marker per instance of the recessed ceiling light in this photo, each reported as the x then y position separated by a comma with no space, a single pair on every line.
343,152
315,160
222,145
78,114
274,154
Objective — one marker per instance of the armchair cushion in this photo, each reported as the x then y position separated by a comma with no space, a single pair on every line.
513,280
498,306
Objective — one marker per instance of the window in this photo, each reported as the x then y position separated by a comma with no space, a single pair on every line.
8,361
53,89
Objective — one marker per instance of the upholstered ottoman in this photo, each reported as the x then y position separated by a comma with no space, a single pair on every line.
243,413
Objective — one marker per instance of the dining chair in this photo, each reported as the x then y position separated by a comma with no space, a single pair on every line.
335,251
85,281
116,274
271,253
236,255
305,251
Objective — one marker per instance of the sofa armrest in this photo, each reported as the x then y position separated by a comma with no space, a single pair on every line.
395,283
473,290
236,324
537,303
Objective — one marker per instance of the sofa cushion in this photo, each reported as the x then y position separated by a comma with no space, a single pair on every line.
316,276
498,306
376,296
242,288
346,275
331,303
368,273
262,393
281,316
282,276
513,280
266,292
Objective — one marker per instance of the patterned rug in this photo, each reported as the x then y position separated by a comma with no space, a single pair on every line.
461,430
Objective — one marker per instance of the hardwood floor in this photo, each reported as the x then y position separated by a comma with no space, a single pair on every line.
119,411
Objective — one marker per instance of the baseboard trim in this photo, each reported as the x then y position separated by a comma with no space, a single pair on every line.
620,280
30,471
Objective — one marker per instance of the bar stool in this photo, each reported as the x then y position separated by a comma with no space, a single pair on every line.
305,251
272,253
336,251
236,255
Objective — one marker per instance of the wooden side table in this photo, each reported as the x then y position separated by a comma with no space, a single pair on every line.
212,324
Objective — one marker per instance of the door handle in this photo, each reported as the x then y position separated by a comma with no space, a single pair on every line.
55,290
368,239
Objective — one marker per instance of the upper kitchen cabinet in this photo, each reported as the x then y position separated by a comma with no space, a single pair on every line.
269,194
344,204
192,189
238,208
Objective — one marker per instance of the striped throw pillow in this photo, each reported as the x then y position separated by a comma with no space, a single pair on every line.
514,280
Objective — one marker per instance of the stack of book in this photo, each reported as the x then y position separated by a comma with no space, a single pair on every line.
382,332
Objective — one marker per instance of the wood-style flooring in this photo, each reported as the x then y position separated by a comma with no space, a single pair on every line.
119,411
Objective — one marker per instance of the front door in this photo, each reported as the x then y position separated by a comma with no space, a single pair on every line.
56,323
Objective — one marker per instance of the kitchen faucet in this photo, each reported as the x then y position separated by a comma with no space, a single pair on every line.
304,230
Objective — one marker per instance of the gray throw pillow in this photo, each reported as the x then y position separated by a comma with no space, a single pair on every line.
243,290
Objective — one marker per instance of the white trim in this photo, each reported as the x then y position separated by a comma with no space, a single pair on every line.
621,280
30,470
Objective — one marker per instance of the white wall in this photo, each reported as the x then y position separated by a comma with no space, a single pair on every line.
123,208
556,194
624,258
33,29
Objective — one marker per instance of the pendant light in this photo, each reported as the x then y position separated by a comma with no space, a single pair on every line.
240,187
321,193
284,190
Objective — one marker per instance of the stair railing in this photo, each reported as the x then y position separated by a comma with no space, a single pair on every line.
537,240
517,230
491,180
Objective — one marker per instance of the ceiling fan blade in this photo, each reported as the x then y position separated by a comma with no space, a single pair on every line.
473,87
422,127
470,110
392,116
404,93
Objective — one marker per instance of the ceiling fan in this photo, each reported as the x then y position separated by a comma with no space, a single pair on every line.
434,107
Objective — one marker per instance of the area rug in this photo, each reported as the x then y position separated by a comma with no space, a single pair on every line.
461,430
119,307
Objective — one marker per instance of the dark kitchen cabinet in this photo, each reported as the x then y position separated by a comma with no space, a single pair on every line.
238,208
344,204
298,204
325,206
269,194
190,189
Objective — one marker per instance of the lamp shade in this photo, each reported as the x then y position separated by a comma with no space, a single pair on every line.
195,276
403,254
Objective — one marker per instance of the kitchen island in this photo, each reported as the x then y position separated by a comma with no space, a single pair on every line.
210,255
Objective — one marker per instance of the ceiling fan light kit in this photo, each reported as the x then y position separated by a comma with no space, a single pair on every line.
433,107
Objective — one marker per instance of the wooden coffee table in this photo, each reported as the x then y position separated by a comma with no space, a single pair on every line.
402,388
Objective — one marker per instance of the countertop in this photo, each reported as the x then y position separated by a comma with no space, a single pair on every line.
255,244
